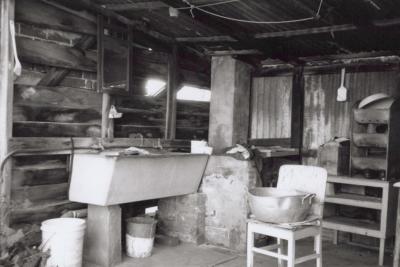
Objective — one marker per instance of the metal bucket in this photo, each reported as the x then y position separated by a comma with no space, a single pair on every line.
274,205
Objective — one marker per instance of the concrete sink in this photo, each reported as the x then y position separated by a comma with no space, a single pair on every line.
108,179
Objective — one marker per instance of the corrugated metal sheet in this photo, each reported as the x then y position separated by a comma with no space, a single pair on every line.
333,12
324,117
271,107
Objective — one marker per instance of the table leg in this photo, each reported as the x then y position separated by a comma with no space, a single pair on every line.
396,251
103,235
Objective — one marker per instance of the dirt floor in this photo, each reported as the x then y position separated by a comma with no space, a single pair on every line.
188,255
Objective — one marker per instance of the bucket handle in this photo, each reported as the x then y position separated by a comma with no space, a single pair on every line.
310,197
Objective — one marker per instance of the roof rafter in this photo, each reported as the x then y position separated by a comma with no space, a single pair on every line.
325,29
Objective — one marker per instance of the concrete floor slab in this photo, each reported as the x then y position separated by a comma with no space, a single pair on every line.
189,255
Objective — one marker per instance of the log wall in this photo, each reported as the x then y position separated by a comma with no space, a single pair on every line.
50,40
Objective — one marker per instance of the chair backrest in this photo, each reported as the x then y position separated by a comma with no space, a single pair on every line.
308,179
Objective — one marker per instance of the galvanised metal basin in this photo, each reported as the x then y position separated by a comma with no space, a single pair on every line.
274,205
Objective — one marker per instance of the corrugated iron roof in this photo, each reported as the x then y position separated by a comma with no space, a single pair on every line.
361,13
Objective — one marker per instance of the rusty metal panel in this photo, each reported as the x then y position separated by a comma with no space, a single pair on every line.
324,117
271,107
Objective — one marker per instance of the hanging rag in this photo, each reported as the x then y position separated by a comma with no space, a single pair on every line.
17,67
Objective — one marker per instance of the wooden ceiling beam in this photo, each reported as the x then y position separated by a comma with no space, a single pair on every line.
136,24
151,5
325,29
206,39
234,52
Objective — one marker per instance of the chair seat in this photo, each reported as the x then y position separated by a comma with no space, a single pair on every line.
275,230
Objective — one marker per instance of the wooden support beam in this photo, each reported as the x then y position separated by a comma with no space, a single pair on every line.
56,75
43,14
172,84
139,25
6,108
52,54
297,109
106,103
325,29
234,52
150,5
29,144
206,39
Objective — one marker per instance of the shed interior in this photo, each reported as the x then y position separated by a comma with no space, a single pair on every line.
249,72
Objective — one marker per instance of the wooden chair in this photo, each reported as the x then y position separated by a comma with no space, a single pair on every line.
303,178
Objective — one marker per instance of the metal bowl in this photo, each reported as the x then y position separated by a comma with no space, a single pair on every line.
274,205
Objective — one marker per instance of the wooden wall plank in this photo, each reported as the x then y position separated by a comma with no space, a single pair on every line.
43,212
56,97
6,99
35,143
42,14
28,196
55,129
52,54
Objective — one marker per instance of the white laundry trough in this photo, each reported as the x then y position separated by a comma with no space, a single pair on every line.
109,179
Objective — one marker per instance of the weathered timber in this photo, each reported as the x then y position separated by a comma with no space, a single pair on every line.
284,142
172,84
42,14
57,115
234,52
297,109
56,75
206,39
39,213
55,129
28,196
36,143
40,174
51,54
56,97
6,107
137,6
325,29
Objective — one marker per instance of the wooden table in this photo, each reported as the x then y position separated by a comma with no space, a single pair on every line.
267,156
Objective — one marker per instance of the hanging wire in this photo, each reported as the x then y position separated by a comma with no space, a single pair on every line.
192,7
207,5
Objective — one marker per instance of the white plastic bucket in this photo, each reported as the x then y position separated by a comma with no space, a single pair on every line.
140,232
63,237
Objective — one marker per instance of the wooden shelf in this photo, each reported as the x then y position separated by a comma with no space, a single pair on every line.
355,200
373,163
356,226
370,140
358,181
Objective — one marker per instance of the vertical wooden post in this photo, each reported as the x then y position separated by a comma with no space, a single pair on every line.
170,119
297,109
129,62
106,104
6,107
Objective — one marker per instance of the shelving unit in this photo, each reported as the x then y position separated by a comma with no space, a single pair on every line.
375,160
382,229
374,146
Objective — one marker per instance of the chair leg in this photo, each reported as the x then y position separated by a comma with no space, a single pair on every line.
318,249
291,252
250,244
280,262
381,251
